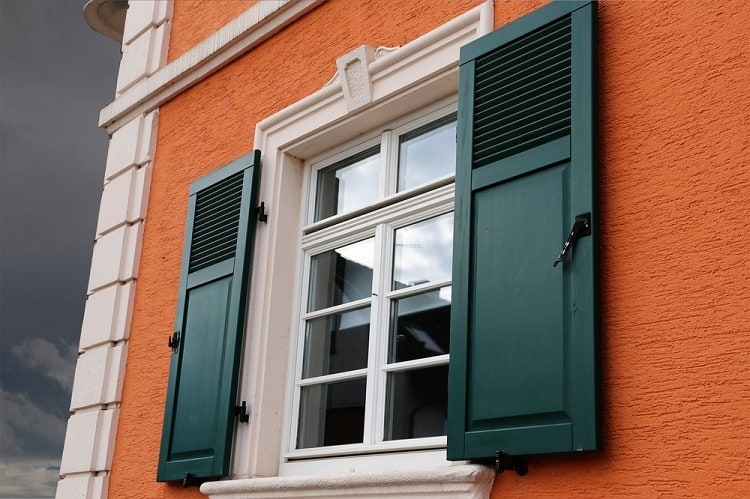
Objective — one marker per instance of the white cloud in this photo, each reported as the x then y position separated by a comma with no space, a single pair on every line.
22,416
44,356
29,477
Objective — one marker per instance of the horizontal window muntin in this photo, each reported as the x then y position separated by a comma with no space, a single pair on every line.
400,213
332,378
392,200
386,446
438,360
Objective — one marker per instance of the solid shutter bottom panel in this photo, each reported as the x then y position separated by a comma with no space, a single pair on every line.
541,439
203,350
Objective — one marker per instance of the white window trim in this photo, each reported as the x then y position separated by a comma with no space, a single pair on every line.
403,81
391,211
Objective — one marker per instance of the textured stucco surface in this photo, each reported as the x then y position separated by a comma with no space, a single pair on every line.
194,20
675,204
675,280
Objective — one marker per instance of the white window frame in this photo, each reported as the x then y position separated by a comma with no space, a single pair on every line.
402,81
378,220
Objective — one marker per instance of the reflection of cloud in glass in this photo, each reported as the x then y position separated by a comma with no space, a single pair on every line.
341,275
423,252
347,186
361,252
358,184
427,156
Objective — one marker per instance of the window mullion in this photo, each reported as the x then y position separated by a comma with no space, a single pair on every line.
383,336
389,153
376,325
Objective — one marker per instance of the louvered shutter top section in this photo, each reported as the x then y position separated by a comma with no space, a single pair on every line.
217,218
522,94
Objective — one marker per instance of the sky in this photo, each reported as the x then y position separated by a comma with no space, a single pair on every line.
55,76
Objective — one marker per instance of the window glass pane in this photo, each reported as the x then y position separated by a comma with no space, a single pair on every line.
426,154
420,326
348,185
332,414
423,252
416,404
336,343
341,275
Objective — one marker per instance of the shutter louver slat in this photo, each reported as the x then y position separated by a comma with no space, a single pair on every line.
218,199
217,216
550,80
558,105
521,84
212,236
518,54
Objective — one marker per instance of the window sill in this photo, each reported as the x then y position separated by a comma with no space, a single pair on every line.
464,481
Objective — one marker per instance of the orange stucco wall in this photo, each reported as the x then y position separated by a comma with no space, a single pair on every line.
675,205
194,20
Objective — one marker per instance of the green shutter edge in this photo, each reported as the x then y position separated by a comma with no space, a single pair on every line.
586,432
217,466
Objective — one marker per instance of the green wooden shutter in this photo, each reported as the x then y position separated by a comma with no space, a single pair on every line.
199,414
524,362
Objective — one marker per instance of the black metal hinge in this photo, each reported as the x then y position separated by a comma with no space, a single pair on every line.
504,461
174,341
241,412
190,481
261,211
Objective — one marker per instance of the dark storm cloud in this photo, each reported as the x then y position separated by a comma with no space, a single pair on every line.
55,76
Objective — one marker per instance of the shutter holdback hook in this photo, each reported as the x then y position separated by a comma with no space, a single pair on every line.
505,461
581,228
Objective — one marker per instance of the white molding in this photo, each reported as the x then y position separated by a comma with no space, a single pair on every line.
100,370
99,376
89,441
124,199
116,256
408,79
145,54
454,482
106,317
355,77
252,27
144,15
86,486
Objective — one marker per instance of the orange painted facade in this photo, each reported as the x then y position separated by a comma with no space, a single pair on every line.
194,20
674,154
